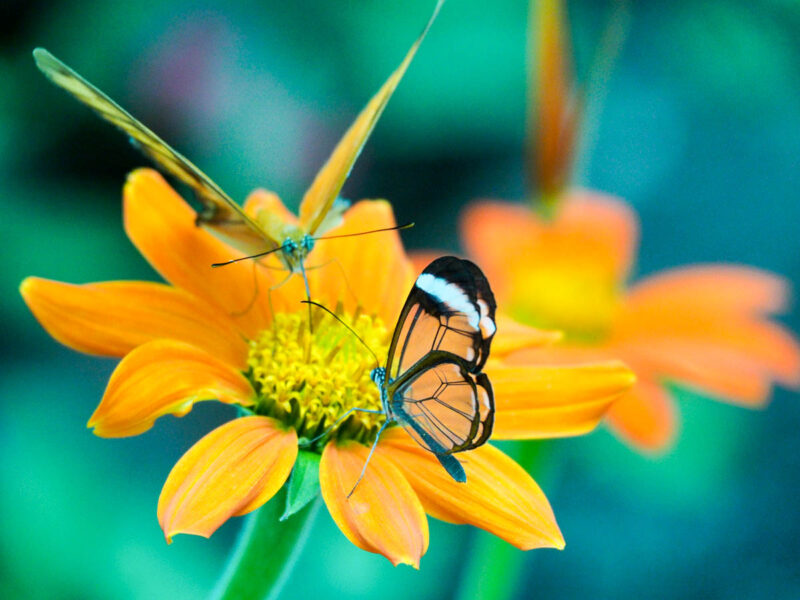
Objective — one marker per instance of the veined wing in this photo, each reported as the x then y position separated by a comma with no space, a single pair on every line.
320,197
442,405
451,308
220,213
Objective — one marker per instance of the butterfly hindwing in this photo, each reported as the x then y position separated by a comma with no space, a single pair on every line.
451,308
442,405
220,213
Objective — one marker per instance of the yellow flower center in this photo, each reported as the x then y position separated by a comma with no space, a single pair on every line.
309,378
580,302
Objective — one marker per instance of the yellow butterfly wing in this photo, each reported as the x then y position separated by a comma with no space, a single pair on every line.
321,196
220,213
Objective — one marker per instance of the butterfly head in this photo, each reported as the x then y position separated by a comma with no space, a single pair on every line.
295,249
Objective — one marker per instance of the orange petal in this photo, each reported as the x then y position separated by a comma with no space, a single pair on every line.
267,209
261,200
384,514
164,377
601,224
536,401
112,318
162,226
767,347
513,335
329,181
592,236
645,417
372,271
717,288
713,369
493,234
232,470
498,496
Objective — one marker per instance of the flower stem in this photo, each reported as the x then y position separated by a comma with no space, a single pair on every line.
266,551
493,568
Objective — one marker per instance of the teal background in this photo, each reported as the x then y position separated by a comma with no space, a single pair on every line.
700,131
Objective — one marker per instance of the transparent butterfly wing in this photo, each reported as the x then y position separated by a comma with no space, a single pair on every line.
451,308
443,406
220,213
321,196
435,388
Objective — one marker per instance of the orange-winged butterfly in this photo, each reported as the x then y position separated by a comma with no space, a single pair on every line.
321,208
432,384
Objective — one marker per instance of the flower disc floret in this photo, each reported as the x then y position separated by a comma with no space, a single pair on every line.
308,377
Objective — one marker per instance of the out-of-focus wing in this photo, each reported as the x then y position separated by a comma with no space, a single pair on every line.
220,213
320,197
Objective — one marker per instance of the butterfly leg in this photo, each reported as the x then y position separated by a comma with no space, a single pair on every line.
308,295
249,307
366,462
346,414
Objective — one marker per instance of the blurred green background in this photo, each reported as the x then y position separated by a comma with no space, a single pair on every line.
700,131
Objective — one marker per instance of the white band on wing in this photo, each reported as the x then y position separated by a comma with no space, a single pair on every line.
487,325
451,295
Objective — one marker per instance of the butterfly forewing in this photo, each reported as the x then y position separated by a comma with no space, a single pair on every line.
324,191
451,308
220,213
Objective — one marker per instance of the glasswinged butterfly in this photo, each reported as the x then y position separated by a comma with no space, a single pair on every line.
320,209
432,384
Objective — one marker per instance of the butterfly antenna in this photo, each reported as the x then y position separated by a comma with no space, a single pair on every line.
366,462
335,316
235,260
345,235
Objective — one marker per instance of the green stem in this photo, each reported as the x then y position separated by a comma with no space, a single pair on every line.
493,568
266,551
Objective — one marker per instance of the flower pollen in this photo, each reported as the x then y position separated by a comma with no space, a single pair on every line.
308,377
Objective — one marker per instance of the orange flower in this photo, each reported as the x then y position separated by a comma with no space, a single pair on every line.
212,334
706,327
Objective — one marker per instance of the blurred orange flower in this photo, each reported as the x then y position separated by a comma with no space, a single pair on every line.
706,327
208,336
